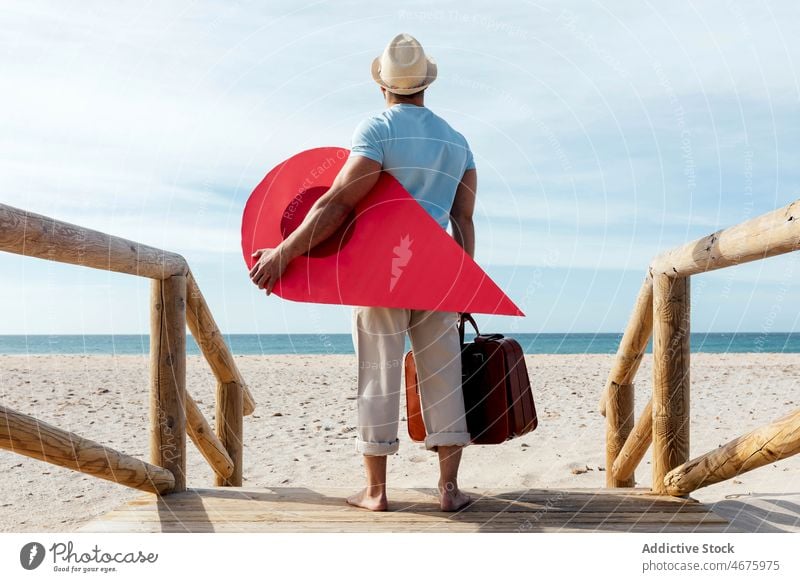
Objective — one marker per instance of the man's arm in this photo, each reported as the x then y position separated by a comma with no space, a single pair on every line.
461,213
353,182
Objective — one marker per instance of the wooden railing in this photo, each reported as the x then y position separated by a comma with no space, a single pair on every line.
662,311
176,301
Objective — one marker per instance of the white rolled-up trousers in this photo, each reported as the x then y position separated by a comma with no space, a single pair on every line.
379,339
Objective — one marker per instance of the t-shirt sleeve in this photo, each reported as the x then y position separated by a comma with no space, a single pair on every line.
470,159
368,140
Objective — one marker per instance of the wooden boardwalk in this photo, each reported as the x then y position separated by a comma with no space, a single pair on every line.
297,509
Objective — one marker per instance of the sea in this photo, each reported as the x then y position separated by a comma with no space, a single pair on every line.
268,344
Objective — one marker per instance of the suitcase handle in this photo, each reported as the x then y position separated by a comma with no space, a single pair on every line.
464,317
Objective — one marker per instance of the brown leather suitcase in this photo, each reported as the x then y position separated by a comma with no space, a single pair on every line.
497,391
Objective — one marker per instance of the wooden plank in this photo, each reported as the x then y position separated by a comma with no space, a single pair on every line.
299,509
168,377
421,494
405,519
192,527
206,441
402,517
375,525
670,376
486,503
422,497
211,343
23,434
345,511
767,235
230,428
339,505
329,495
762,446
442,527
34,235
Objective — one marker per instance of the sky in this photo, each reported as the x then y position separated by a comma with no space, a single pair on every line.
603,133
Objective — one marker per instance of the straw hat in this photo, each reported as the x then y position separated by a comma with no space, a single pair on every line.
403,68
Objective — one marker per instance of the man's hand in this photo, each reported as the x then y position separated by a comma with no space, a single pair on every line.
327,214
268,268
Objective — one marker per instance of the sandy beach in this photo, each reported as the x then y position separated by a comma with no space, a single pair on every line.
303,429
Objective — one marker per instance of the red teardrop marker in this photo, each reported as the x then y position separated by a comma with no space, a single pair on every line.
390,252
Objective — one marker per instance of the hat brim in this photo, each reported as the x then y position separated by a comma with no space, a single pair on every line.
430,77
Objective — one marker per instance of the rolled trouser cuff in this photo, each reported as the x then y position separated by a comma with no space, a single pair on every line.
377,448
447,439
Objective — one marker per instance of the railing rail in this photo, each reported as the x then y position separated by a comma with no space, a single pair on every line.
662,312
176,302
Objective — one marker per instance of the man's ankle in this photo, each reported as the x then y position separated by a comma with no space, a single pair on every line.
448,486
376,490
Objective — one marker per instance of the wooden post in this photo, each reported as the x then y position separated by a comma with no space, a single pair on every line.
634,341
230,428
23,434
671,318
757,448
168,377
619,423
212,344
617,400
206,441
635,446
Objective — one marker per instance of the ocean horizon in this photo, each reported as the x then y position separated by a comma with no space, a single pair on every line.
341,343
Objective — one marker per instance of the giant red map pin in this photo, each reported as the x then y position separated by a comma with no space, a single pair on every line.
389,253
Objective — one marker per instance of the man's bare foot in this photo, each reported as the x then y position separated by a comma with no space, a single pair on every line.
453,499
366,501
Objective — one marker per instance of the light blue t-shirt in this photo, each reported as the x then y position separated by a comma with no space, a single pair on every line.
421,150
